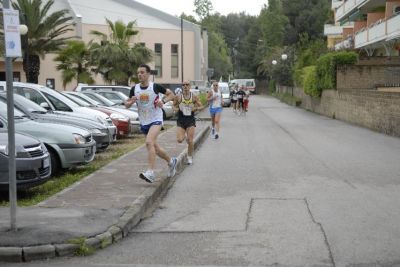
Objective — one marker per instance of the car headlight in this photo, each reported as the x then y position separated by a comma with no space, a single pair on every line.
4,149
95,131
119,117
79,139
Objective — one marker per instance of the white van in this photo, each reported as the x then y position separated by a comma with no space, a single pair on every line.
247,83
226,98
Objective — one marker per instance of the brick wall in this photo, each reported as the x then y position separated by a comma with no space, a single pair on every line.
379,111
367,76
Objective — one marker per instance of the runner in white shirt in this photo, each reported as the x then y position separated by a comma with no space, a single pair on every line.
146,96
215,99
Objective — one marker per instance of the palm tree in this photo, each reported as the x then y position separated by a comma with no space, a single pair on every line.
45,34
115,59
74,63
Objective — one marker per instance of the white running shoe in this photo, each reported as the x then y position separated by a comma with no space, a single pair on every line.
189,160
148,176
172,167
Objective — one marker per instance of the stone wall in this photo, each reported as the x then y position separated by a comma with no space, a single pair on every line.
379,111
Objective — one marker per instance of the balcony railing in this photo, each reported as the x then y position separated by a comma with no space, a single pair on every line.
345,44
382,30
330,29
347,7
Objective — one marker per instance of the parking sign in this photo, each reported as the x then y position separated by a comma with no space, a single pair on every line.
12,38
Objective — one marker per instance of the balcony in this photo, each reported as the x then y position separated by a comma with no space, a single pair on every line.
382,30
347,7
330,30
336,3
345,44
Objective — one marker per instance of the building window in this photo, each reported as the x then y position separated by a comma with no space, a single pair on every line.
158,59
174,61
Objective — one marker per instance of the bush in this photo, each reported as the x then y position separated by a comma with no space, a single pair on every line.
310,81
326,67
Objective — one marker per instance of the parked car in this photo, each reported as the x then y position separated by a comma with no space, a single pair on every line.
120,98
131,113
32,161
59,104
68,146
117,88
35,112
249,84
226,98
120,120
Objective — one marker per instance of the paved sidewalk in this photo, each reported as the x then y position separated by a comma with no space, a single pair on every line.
102,208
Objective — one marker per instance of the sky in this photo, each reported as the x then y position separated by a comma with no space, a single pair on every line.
224,7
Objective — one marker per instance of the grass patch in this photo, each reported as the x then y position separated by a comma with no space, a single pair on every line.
56,184
84,249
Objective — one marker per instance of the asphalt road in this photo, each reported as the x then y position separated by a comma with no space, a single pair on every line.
282,187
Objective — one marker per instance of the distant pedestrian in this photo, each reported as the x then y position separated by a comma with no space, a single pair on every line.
234,98
146,96
246,99
214,97
241,95
186,104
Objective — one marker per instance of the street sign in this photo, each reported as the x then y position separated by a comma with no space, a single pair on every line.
12,36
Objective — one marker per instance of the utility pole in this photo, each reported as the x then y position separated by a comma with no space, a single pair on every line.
12,42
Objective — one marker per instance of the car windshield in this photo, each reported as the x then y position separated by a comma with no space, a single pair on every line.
78,101
224,90
87,99
60,97
17,113
28,104
104,101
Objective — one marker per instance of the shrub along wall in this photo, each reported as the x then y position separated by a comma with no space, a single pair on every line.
379,111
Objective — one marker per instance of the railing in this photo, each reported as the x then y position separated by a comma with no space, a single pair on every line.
345,44
393,26
330,29
379,31
347,7
360,38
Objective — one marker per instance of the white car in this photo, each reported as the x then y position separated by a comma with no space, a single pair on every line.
52,100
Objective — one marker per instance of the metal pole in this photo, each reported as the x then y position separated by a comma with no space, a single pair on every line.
182,49
11,139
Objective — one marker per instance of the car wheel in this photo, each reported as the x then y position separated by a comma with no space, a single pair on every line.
55,162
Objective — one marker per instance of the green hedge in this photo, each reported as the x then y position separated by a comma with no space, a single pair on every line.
326,67
310,81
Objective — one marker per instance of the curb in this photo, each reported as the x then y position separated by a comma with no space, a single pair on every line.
131,217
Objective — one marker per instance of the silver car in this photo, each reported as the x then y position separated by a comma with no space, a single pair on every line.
32,161
68,146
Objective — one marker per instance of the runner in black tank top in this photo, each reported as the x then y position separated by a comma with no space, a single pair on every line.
186,104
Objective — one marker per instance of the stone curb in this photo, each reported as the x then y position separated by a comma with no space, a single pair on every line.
131,217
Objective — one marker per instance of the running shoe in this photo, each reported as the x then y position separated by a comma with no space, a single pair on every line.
189,160
172,167
148,176
216,136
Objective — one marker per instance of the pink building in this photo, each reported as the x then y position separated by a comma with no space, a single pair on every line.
161,32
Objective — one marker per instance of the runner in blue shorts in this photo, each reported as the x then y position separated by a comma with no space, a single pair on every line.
215,99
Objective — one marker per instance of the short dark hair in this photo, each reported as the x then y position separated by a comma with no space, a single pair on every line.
147,67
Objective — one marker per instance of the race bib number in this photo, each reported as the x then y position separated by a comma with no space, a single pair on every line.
187,110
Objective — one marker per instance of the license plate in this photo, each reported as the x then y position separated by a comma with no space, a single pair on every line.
46,162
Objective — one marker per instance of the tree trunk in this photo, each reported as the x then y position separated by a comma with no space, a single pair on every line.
31,64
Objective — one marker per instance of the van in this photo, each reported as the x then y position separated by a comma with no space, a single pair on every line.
226,98
247,83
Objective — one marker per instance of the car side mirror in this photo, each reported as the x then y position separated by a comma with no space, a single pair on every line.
45,105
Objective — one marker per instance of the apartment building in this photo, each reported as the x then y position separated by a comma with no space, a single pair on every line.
372,26
171,40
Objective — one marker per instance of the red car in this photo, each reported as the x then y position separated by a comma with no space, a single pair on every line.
121,121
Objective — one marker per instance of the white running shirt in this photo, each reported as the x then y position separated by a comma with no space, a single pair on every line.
148,111
216,103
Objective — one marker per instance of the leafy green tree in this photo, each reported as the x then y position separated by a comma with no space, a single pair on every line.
273,23
114,57
305,16
203,8
74,63
46,33
218,56
188,18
